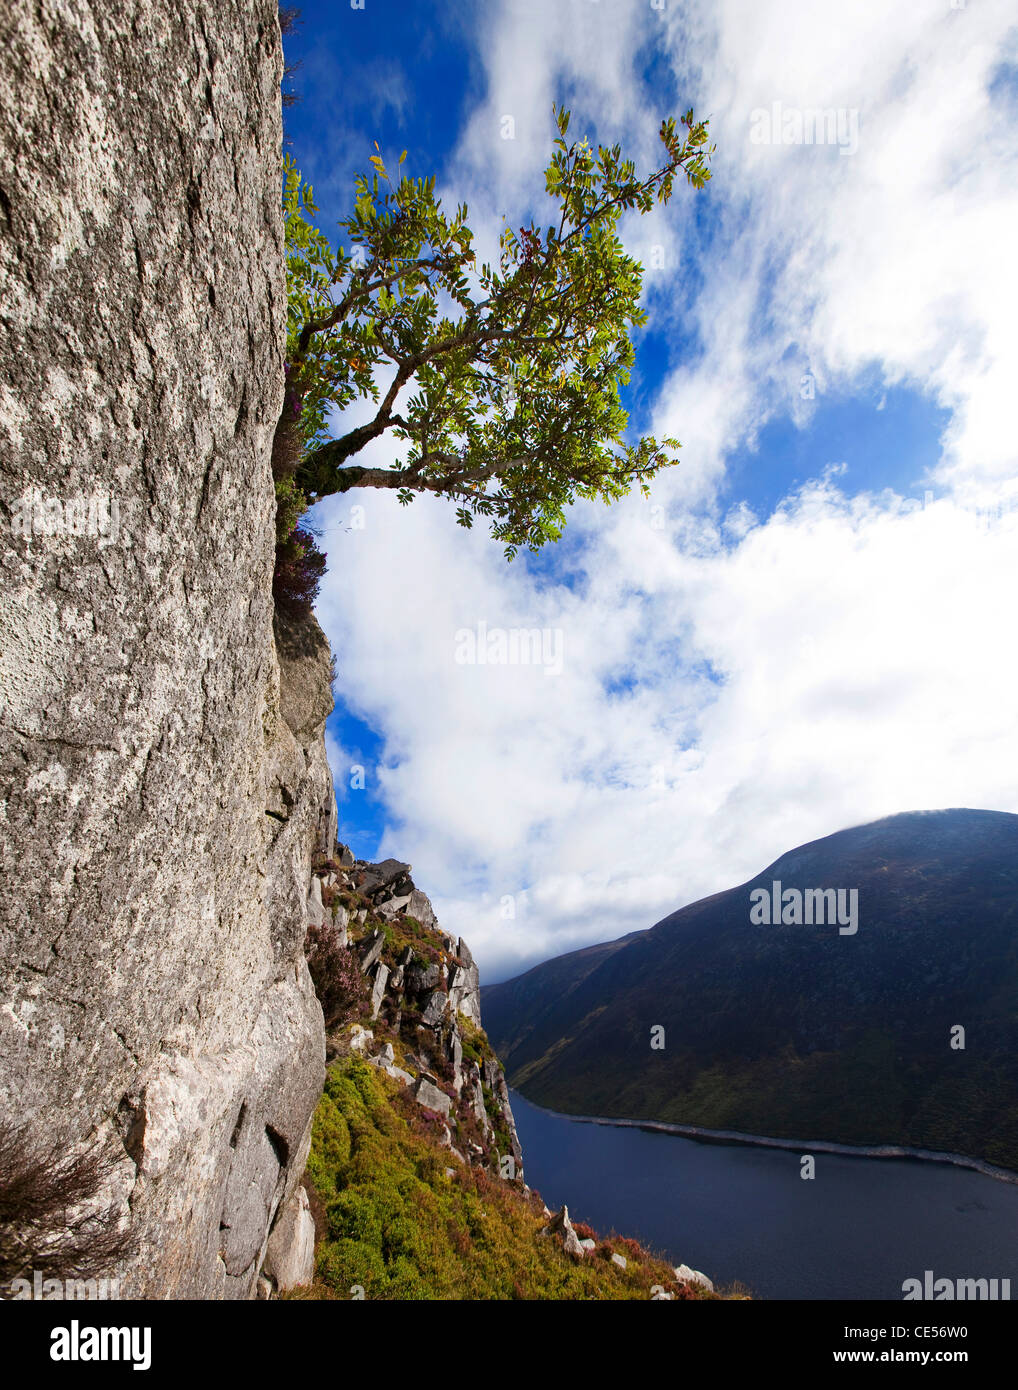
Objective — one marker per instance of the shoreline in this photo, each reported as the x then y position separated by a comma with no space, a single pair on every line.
731,1136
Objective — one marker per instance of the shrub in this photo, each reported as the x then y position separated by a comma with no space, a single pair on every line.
300,566
50,1220
353,1216
401,1228
341,988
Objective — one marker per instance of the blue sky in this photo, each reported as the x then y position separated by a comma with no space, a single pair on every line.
800,630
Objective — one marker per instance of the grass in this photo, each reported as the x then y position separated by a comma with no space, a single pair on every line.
400,1218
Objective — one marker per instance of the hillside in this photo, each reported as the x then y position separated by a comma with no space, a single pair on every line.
415,1175
800,1031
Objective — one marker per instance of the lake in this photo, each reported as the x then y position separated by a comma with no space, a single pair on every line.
857,1230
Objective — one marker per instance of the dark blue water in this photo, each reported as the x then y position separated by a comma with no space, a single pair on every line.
857,1230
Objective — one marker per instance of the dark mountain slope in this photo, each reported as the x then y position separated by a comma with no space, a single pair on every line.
795,1030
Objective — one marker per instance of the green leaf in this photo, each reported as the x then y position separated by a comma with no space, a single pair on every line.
521,362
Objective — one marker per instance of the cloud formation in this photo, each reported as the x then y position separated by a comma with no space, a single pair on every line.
731,684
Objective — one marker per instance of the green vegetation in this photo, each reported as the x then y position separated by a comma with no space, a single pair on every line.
400,1212
513,371
397,1224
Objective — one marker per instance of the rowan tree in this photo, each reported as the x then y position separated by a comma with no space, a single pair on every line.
500,383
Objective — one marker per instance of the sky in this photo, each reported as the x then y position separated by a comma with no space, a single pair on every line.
811,622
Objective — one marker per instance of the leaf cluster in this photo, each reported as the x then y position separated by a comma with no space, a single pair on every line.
502,381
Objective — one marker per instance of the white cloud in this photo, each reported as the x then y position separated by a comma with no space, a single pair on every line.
896,255
731,685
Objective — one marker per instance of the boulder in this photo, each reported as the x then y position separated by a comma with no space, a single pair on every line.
421,979
371,949
477,1104
378,988
420,909
435,1008
455,1051
392,907
384,880
290,1253
428,1094
685,1275
465,992
561,1225
316,910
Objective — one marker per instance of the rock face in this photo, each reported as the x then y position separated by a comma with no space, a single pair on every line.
425,998
164,782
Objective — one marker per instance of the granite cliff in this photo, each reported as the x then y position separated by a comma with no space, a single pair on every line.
164,783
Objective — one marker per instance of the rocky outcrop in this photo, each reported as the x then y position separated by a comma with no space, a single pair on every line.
164,782
560,1225
423,1006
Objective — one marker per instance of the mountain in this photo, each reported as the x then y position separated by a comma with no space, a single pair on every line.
794,1030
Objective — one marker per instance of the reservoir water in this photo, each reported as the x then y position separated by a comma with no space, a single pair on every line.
858,1229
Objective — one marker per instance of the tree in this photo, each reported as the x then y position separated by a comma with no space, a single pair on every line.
514,371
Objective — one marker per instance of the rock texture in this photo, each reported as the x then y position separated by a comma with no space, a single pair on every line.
290,1257
163,783
423,1004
